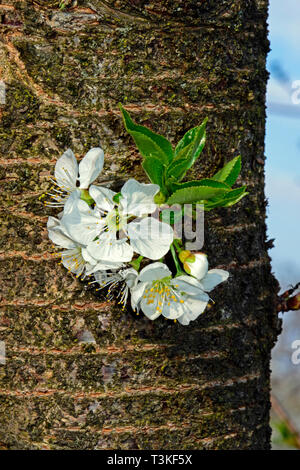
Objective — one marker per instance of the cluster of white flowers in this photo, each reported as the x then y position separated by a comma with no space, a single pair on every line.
108,234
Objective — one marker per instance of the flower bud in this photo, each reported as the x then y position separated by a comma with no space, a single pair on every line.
196,265
184,254
159,198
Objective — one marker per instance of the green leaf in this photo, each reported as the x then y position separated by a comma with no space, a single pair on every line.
230,172
234,196
177,170
187,151
196,191
228,199
148,143
190,195
234,199
194,136
155,171
204,182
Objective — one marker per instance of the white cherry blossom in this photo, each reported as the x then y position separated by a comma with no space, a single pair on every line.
183,298
119,225
71,178
75,256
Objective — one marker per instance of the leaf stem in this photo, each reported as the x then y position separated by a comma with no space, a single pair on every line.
177,244
179,271
136,263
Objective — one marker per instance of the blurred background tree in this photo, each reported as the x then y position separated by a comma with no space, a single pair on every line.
283,190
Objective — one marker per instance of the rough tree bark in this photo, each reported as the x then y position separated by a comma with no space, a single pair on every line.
141,385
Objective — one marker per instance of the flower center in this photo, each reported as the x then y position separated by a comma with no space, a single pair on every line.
163,293
73,260
115,221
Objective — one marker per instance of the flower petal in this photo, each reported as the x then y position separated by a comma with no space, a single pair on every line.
137,294
150,308
203,296
103,266
193,308
150,238
87,257
106,265
81,223
57,236
213,278
71,201
73,261
90,167
172,309
89,269
154,272
66,171
130,276
138,198
103,198
111,250
199,267
188,284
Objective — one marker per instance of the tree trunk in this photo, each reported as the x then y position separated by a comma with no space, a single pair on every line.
80,373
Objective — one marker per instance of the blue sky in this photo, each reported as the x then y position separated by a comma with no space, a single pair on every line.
283,186
283,141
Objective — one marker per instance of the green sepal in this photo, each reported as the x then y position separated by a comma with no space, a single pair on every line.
117,197
85,196
159,198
